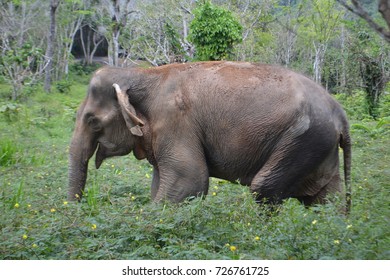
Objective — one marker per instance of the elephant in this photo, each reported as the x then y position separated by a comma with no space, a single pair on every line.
264,126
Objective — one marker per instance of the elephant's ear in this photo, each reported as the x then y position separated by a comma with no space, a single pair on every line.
133,123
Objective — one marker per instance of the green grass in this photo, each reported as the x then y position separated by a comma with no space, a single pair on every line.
117,220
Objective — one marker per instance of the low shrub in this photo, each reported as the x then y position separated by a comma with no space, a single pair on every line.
8,152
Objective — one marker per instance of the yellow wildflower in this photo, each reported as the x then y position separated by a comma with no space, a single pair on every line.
349,226
132,197
16,205
214,193
52,210
25,236
337,242
34,245
29,205
314,222
65,203
147,175
257,238
233,248
93,226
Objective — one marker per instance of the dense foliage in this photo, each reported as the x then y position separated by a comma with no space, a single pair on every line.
214,31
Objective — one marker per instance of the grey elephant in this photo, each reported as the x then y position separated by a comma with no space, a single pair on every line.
266,126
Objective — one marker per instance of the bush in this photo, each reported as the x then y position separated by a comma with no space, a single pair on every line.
355,105
81,69
214,31
384,106
63,86
10,111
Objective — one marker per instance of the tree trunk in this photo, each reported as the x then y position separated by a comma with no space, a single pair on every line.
320,50
115,51
95,46
50,45
343,82
89,38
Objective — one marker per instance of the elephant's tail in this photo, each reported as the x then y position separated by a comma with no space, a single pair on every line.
345,144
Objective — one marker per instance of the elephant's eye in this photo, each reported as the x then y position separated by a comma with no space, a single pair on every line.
94,123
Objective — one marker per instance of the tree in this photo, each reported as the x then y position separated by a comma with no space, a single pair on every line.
21,46
214,32
114,18
50,44
159,32
256,18
369,54
22,66
288,24
71,16
319,28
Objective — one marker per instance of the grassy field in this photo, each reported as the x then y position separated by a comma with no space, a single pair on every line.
116,219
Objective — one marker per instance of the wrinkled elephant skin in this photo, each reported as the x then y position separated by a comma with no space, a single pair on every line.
268,127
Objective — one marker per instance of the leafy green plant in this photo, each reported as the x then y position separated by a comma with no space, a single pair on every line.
355,105
214,31
381,127
366,52
81,69
384,106
8,152
10,111
63,86
173,37
21,66
17,198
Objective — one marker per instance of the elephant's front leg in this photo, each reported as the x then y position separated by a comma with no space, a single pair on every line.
182,174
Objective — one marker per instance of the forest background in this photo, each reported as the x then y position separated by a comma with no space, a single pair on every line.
49,49
318,38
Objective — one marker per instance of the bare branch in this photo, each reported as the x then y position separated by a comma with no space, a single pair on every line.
187,11
384,8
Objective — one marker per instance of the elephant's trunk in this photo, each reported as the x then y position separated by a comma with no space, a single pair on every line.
81,150
77,177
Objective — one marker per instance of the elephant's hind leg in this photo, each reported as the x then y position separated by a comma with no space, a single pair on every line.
321,182
308,176
333,186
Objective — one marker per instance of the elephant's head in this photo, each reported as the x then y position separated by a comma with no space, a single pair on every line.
106,123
